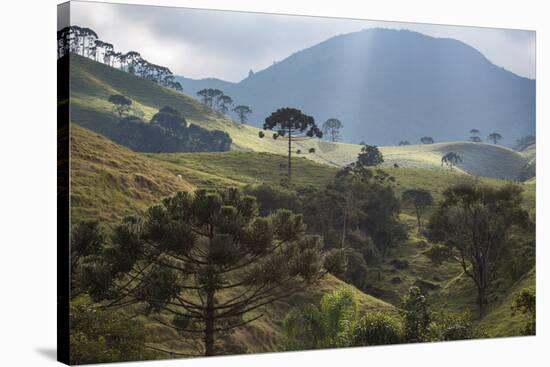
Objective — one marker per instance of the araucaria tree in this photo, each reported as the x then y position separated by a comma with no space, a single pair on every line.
292,124
121,104
495,137
242,112
331,129
476,223
208,260
420,199
451,159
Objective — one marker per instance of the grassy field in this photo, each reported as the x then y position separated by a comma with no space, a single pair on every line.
92,83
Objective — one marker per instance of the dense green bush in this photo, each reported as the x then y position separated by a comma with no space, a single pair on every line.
377,328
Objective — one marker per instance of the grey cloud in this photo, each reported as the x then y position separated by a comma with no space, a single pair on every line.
205,43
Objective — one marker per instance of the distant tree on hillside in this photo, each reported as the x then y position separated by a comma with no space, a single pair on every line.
224,102
203,94
420,199
170,119
451,159
494,137
404,142
426,140
242,112
476,223
331,128
121,104
475,139
215,247
475,132
370,156
292,124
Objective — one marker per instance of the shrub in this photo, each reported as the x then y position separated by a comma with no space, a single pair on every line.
377,328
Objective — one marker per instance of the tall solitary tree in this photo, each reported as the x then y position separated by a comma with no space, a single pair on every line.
495,137
331,128
420,199
121,104
476,223
242,112
292,124
208,260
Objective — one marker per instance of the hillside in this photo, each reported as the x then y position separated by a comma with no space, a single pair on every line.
442,87
109,181
93,83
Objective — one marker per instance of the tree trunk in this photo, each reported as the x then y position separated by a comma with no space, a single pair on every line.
209,327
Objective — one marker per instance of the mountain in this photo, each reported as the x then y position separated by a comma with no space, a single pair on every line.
390,85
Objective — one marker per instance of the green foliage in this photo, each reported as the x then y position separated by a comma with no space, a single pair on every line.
87,240
328,325
105,336
168,132
416,315
438,254
369,156
525,302
447,326
377,328
210,244
477,222
420,200
121,104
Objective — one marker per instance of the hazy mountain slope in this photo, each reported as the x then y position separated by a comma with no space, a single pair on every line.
388,85
92,83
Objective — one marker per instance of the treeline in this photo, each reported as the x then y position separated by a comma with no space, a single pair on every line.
85,42
167,131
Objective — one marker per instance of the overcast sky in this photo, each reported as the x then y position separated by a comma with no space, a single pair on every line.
226,45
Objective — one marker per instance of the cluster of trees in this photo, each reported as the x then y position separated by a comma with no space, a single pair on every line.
85,42
475,136
168,131
216,99
338,322
356,214
206,259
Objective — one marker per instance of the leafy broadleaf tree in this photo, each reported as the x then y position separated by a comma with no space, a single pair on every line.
242,112
416,315
292,124
208,260
121,104
476,223
494,137
331,128
420,199
370,156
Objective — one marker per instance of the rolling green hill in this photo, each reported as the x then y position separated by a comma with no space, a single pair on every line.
92,83
110,181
